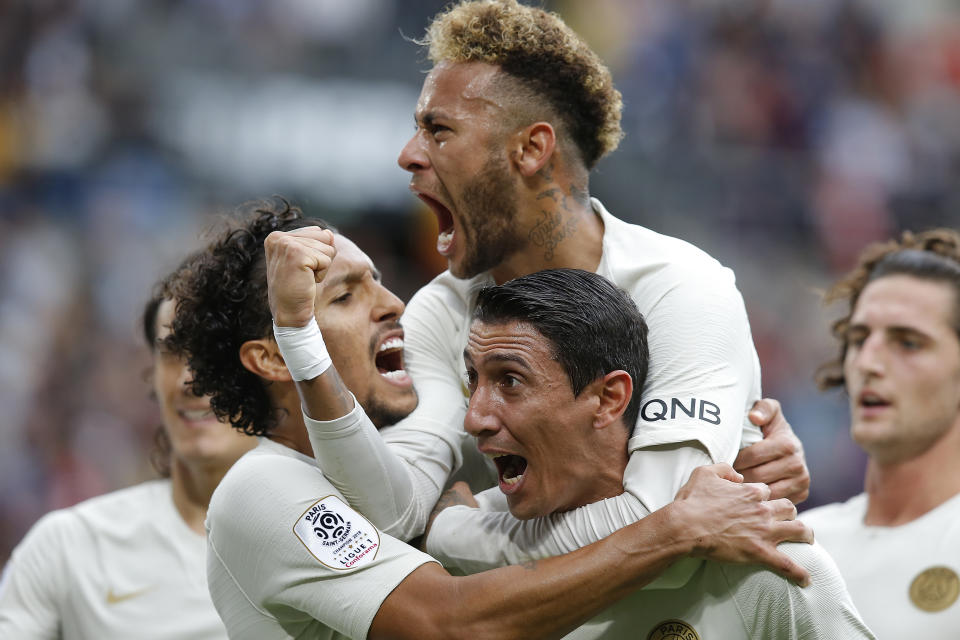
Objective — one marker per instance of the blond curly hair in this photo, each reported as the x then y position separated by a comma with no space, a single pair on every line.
537,48
931,255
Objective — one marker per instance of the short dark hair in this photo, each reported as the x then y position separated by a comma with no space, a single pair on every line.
222,303
930,255
593,326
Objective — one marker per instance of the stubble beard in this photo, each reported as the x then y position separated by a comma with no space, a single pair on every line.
489,228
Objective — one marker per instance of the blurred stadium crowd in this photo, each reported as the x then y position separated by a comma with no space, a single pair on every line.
779,136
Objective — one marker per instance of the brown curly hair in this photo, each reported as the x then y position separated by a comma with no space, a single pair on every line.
539,49
222,303
930,255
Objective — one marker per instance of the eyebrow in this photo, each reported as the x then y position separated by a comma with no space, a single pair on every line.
501,357
893,330
353,277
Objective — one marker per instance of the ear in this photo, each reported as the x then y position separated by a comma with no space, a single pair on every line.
615,391
532,147
262,357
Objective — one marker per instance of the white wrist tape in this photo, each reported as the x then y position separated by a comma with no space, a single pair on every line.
303,350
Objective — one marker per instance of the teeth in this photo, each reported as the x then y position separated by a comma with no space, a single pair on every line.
392,343
444,241
399,373
513,480
196,414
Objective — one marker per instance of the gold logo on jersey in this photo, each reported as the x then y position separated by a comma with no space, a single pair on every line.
673,630
114,598
935,589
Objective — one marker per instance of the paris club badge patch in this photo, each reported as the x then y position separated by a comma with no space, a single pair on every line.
336,535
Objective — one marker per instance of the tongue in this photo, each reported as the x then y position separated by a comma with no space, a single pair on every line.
512,466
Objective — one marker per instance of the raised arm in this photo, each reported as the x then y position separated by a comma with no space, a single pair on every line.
394,484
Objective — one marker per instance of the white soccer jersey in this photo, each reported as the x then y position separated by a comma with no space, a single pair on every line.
704,375
738,602
122,565
904,580
287,558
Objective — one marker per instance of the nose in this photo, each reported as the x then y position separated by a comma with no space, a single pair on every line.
480,418
388,307
870,357
412,157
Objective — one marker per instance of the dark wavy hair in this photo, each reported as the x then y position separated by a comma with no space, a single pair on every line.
594,327
547,59
931,255
222,303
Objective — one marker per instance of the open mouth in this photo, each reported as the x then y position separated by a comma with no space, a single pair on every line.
871,400
389,359
446,233
510,468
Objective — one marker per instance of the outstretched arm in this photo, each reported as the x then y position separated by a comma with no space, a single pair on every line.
712,517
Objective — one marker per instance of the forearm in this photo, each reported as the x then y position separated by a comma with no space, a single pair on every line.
393,480
325,397
476,540
541,599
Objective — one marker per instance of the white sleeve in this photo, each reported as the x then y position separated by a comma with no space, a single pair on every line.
284,549
380,473
472,540
777,608
34,583
704,373
397,485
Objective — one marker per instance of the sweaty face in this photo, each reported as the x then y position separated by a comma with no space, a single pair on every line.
360,321
902,367
196,436
526,418
459,164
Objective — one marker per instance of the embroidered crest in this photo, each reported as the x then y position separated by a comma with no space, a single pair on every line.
673,630
336,535
935,589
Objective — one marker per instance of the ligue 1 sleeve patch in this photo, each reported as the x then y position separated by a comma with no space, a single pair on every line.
336,535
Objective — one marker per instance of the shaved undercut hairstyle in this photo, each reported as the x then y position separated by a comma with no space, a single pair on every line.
222,303
931,255
552,72
593,326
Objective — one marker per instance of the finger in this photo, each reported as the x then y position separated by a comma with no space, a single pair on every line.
763,411
314,232
779,445
793,531
785,566
762,490
794,488
725,471
778,468
782,509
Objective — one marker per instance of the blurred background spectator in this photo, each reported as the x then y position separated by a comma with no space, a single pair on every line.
779,136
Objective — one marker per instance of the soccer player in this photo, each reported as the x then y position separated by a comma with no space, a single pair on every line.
898,543
131,564
287,557
513,116
552,360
